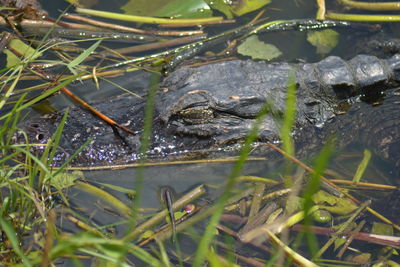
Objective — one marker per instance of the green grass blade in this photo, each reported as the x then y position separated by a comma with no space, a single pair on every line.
42,96
79,59
312,187
363,166
289,116
12,237
56,137
209,233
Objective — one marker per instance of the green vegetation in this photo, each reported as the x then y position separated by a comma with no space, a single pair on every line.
34,196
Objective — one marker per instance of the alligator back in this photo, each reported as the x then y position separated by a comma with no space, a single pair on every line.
210,106
375,126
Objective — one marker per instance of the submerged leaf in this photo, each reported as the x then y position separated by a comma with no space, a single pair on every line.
44,107
257,49
382,229
362,259
324,40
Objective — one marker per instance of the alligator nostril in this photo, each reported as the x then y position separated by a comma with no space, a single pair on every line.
40,137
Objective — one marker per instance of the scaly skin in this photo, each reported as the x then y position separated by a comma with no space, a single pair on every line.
209,107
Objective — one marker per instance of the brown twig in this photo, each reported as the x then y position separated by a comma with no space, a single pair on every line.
350,239
130,29
383,240
80,101
363,184
158,45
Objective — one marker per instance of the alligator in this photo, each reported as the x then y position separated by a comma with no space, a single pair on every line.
212,107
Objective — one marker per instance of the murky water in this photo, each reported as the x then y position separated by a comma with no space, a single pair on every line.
182,178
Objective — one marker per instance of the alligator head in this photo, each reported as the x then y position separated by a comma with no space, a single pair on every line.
222,100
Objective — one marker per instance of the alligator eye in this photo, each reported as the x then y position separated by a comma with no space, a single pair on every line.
40,137
197,113
35,125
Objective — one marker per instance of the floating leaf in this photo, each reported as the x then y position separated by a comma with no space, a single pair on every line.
177,216
168,8
324,197
245,6
143,7
44,107
335,205
324,40
339,242
25,50
222,6
257,49
294,204
343,207
185,9
65,179
146,234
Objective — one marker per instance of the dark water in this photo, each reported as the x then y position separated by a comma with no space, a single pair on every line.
182,178
294,48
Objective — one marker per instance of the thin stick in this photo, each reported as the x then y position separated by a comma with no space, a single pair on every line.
142,19
158,45
184,25
363,18
386,6
383,240
94,111
130,29
321,9
163,163
370,185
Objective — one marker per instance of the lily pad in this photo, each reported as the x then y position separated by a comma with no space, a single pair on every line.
168,8
324,40
222,6
185,9
257,49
